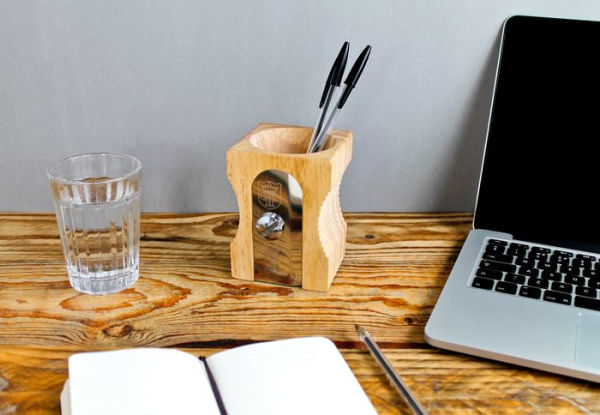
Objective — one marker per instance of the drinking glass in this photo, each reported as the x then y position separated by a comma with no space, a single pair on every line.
97,202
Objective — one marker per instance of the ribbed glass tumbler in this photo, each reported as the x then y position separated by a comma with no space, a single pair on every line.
97,202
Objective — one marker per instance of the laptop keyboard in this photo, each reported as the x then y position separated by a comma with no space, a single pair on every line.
538,272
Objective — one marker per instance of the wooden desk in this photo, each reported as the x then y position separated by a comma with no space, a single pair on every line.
393,272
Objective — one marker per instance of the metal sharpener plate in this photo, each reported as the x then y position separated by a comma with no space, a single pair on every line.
277,228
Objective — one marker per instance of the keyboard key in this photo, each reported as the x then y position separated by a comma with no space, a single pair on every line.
562,287
489,273
516,279
518,252
557,297
563,253
537,282
593,283
586,291
588,257
494,249
530,292
497,242
585,302
519,246
538,255
484,283
560,260
498,257
524,261
568,269
573,279
498,266
529,272
506,287
582,263
542,265
589,273
540,249
552,276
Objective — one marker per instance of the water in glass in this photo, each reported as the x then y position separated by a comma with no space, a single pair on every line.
99,222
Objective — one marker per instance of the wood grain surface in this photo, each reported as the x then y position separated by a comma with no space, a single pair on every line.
393,272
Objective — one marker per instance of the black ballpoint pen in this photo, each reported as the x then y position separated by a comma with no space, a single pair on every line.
402,389
334,80
351,80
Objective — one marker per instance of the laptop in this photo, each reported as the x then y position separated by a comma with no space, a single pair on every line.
525,288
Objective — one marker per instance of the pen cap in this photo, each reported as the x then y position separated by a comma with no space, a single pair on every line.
354,74
336,73
340,63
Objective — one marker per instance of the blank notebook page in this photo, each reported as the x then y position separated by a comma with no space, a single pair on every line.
295,376
139,381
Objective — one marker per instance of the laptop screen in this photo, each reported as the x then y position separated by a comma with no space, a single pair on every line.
541,173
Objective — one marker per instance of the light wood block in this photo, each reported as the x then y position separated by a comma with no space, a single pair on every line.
283,147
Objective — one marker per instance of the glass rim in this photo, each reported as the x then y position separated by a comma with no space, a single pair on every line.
51,171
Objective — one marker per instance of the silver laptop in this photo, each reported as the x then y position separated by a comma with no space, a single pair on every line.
525,288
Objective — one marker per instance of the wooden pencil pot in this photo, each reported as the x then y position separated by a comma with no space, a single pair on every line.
291,229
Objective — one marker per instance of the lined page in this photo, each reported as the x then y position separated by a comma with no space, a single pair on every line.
139,381
296,376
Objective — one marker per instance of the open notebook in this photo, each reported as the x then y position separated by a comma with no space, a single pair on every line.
296,376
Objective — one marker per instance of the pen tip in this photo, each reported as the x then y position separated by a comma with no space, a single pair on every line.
361,332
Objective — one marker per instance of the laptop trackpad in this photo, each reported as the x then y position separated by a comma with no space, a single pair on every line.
587,345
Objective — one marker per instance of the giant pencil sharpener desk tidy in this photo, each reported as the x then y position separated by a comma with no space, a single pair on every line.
291,229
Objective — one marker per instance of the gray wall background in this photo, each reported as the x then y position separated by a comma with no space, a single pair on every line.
176,83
